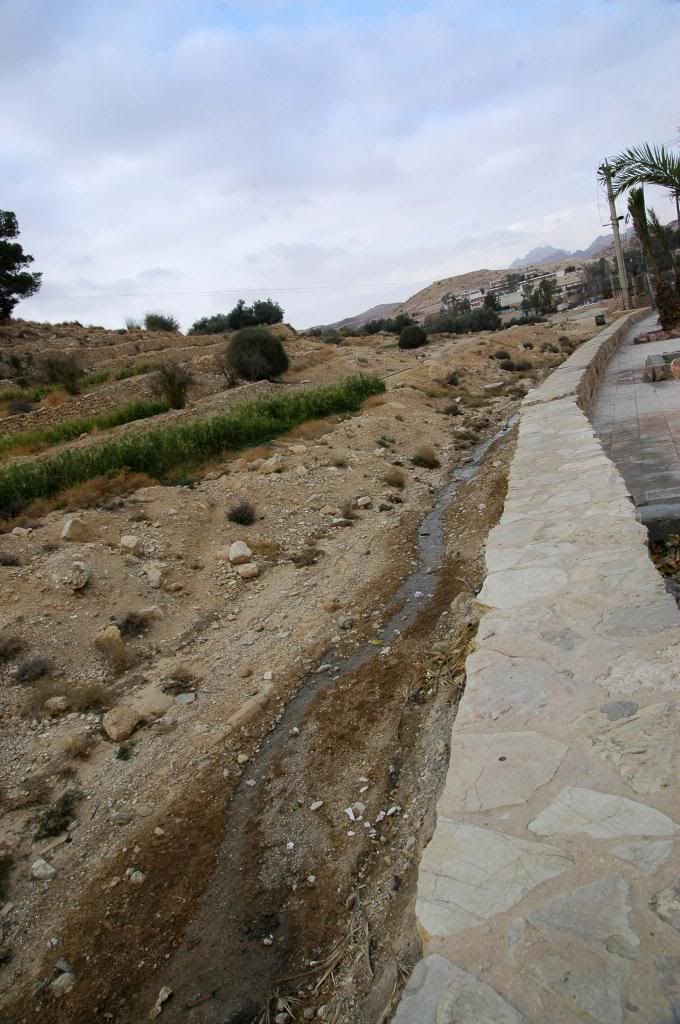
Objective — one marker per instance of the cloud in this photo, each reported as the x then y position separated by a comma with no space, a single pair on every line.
313,155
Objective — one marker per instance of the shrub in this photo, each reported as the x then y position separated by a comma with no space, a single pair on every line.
20,405
412,336
256,354
151,454
33,667
395,477
6,865
507,364
501,354
452,378
133,324
161,322
522,365
217,324
453,409
8,559
262,311
527,345
243,513
125,751
306,557
56,819
426,457
172,383
65,371
10,646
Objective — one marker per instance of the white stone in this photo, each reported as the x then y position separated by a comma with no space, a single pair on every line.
41,870
647,855
74,528
239,553
130,543
249,571
440,992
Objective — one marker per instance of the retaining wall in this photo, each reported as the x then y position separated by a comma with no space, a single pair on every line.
548,893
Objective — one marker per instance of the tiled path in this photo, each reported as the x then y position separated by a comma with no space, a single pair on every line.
639,425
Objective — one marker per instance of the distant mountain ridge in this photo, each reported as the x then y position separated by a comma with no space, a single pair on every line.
549,254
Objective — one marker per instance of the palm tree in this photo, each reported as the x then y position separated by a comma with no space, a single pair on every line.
667,297
647,165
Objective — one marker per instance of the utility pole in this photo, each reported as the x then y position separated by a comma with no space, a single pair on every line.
606,172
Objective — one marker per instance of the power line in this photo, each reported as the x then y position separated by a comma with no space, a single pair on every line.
233,291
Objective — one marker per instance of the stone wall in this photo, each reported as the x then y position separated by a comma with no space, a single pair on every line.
549,891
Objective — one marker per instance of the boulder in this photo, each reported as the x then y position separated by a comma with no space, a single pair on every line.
110,642
57,705
275,464
41,870
248,572
130,542
79,576
239,553
62,984
120,723
74,528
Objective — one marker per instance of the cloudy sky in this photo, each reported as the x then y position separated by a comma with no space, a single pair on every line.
176,154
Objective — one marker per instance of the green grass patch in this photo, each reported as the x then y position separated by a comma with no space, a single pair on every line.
70,429
160,450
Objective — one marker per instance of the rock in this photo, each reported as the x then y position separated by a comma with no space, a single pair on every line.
79,576
157,1007
242,758
364,502
74,529
599,815
239,553
121,817
346,623
41,870
309,1013
315,805
275,464
130,543
20,531
185,698
110,642
281,1018
439,991
155,573
120,723
63,965
57,705
248,571
63,984
136,878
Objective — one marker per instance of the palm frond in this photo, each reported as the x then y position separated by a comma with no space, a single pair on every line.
638,214
646,165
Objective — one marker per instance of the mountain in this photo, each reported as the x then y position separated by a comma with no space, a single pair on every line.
541,254
600,245
374,313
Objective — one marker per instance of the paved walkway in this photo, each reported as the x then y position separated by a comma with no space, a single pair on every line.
639,426
550,890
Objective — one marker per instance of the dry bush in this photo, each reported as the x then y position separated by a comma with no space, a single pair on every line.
133,624
348,511
32,667
339,461
6,865
34,698
78,746
90,696
426,457
56,819
395,477
453,409
8,559
34,790
306,557
374,401
53,399
243,513
10,646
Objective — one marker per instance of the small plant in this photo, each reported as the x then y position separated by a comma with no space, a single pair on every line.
133,324
348,511
306,557
566,344
501,354
65,371
453,409
254,353
56,819
528,345
395,477
426,457
8,559
412,336
339,461
6,865
78,747
125,751
18,406
522,365
133,624
161,322
507,364
10,646
33,667
172,383
452,378
243,513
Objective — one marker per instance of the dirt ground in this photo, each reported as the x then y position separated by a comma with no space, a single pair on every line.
252,844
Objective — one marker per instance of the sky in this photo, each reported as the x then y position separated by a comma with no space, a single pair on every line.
176,155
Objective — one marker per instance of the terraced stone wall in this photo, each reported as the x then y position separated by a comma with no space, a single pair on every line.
549,892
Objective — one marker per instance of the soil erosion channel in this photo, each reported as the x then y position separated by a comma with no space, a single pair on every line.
246,936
